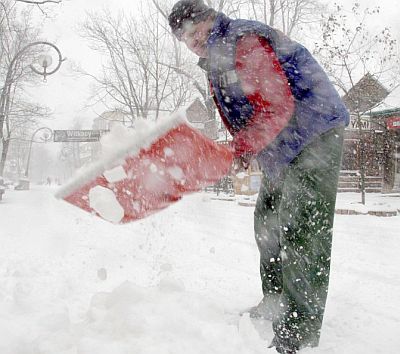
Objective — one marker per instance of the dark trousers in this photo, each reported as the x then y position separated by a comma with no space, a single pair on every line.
293,222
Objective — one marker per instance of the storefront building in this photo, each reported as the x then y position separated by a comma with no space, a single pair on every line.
378,134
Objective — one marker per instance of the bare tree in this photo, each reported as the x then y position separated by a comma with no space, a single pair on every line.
133,77
42,5
16,32
147,69
190,81
288,15
363,65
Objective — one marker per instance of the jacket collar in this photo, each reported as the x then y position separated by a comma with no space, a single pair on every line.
219,29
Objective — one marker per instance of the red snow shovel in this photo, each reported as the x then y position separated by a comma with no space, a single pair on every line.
177,161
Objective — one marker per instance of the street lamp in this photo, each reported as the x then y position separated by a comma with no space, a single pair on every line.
44,61
46,136
42,67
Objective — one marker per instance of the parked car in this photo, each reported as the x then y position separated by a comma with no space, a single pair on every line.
23,185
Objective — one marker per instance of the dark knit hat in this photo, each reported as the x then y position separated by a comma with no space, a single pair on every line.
184,11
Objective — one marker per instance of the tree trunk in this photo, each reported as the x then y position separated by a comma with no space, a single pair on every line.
4,152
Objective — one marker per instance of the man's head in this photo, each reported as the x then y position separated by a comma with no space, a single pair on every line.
191,22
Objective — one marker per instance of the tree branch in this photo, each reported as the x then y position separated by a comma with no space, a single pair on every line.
39,2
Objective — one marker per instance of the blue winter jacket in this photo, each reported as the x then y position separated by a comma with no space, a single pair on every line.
318,107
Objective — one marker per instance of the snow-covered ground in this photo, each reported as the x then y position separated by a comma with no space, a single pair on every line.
71,283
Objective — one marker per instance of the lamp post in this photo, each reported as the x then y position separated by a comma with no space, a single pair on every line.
23,183
42,67
44,61
46,136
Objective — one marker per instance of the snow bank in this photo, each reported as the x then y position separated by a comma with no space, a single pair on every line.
134,319
162,319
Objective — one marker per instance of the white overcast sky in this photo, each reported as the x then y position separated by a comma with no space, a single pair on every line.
67,95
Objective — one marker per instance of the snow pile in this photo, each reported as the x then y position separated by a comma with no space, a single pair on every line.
135,319
162,319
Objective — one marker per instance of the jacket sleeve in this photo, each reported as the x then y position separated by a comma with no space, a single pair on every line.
266,87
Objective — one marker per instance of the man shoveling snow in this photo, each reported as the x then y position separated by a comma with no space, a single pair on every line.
280,108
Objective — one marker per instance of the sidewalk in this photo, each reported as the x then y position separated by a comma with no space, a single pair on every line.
377,204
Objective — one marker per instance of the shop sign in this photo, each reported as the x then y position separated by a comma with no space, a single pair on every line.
355,123
78,135
393,123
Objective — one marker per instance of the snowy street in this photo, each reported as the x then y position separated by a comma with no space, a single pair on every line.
175,282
